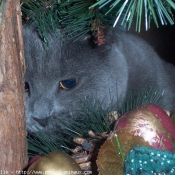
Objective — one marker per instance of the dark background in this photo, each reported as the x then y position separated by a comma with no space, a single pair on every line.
162,39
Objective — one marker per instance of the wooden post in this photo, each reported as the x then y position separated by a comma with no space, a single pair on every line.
13,152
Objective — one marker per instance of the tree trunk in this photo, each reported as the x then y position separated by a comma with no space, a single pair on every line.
13,152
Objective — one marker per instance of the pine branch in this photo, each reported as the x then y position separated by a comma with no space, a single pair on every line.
131,10
77,16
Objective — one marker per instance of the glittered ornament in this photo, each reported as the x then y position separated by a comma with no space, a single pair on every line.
151,123
143,160
55,163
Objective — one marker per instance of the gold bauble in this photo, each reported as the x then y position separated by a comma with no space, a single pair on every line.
55,163
109,159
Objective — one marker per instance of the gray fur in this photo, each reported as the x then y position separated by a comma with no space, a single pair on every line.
124,59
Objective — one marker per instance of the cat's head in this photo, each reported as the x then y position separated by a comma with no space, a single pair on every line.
61,75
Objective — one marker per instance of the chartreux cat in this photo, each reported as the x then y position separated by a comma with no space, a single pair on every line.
58,76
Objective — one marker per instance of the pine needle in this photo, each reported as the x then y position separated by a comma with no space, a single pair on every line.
77,15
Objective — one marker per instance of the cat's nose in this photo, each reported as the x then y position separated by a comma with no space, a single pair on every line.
42,121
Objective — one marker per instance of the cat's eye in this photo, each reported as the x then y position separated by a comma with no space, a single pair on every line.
68,84
26,86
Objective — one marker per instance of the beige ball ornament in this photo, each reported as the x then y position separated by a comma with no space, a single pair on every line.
55,163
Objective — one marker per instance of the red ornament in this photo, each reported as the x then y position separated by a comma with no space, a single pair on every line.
34,159
151,123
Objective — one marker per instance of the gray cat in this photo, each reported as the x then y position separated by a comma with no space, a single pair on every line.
59,76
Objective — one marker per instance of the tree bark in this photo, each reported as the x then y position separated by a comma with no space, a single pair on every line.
13,151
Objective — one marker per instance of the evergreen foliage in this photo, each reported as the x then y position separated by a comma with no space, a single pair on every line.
81,16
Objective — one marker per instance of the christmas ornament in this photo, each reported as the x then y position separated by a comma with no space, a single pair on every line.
151,123
55,163
110,159
143,160
34,159
148,125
